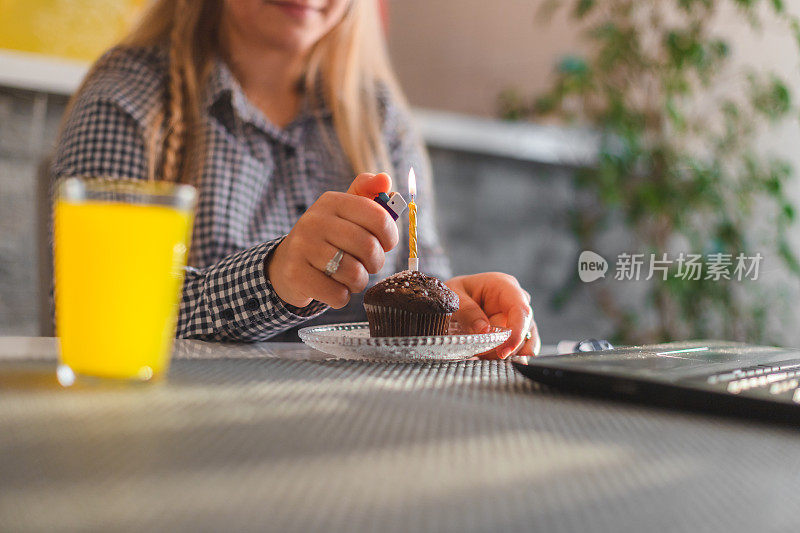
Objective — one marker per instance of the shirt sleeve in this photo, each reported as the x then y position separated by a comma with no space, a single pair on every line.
406,150
234,300
231,300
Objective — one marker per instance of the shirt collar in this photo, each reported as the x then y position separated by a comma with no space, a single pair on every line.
220,84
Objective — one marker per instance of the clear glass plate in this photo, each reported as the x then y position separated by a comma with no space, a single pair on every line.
352,341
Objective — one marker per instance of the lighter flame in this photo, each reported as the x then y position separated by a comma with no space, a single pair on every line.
412,182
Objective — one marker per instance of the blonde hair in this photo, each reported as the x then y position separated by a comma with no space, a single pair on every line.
349,63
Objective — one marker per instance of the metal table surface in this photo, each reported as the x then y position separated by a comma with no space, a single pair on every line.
272,437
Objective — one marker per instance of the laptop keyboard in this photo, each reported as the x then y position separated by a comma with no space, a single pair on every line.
782,378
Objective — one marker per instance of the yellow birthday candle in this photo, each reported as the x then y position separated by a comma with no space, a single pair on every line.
413,259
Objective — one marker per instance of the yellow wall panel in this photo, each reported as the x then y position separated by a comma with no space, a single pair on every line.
76,29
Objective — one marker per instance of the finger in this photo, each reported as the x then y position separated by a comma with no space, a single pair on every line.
491,355
536,340
470,314
533,345
344,235
518,321
358,210
370,185
370,216
350,273
497,320
324,289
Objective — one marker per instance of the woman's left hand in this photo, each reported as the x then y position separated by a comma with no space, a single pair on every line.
496,299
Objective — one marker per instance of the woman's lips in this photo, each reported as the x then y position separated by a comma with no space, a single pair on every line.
295,9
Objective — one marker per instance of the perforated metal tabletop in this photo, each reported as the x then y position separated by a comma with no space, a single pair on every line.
272,437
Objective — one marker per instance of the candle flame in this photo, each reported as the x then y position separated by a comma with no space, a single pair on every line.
412,182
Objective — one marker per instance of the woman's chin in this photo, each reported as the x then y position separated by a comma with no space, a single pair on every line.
296,42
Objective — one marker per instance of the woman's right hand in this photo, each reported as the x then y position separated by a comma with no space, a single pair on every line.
351,222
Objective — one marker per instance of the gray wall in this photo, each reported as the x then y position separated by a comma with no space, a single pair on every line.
28,124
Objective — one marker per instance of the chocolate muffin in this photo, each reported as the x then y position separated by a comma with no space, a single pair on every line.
409,303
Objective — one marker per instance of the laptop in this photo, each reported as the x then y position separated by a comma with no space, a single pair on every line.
722,377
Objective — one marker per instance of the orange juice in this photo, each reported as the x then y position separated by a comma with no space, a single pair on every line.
119,272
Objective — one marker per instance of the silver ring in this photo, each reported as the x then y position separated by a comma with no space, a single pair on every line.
333,264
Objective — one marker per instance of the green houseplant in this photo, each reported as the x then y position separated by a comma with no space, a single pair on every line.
678,167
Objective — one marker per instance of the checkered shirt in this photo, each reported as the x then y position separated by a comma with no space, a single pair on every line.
257,181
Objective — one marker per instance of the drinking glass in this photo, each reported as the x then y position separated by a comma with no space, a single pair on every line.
120,252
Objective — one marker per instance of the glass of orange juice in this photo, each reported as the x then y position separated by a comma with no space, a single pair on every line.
120,252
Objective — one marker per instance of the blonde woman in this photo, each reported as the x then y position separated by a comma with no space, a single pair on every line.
270,108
